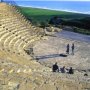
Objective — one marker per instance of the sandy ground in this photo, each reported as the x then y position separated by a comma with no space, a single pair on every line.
48,50
34,76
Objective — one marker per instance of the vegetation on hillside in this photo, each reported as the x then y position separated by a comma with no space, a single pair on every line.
43,17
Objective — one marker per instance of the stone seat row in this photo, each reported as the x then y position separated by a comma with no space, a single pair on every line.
7,17
16,31
15,21
10,15
18,14
20,28
15,25
16,48
7,37
6,13
5,40
14,55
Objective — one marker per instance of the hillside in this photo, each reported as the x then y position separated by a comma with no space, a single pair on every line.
39,16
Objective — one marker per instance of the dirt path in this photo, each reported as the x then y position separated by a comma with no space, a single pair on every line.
74,36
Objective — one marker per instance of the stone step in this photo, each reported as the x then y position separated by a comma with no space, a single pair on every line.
16,14
31,41
9,18
5,34
14,18
16,23
2,34
5,38
7,41
1,29
13,25
12,43
21,45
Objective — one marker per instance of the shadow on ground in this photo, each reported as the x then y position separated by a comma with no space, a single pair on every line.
50,56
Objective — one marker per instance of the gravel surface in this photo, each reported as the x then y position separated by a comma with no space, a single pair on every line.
50,50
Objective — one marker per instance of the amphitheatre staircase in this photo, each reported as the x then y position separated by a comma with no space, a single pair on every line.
16,33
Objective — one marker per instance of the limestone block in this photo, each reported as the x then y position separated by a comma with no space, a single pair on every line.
47,87
27,71
11,71
19,70
2,70
13,85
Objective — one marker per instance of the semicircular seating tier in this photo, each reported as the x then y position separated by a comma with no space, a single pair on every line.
16,32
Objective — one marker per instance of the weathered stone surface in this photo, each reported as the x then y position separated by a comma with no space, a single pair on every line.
19,72
47,87
13,85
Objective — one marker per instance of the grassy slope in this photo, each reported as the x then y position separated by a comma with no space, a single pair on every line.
43,15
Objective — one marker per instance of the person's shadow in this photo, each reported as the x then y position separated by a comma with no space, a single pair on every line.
50,56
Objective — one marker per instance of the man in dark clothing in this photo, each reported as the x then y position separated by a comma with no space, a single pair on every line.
55,68
72,49
71,71
63,69
67,51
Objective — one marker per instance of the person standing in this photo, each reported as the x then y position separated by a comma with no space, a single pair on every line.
73,48
67,51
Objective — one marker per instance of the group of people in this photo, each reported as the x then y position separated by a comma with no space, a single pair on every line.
56,68
68,49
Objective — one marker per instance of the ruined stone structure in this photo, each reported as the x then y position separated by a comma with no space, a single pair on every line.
17,69
16,32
